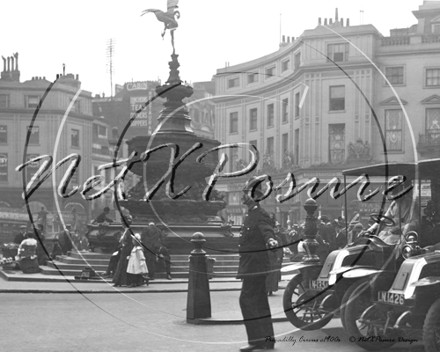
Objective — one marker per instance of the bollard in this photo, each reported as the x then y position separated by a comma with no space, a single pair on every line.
199,302
310,230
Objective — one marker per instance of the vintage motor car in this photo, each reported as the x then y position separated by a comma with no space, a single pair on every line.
315,294
407,306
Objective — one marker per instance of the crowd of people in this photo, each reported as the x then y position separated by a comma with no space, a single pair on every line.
134,262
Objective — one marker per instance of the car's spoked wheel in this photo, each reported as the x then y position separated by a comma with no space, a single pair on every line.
431,328
301,307
369,332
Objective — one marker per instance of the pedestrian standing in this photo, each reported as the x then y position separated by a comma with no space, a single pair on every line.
256,237
151,240
126,245
136,267
19,237
65,238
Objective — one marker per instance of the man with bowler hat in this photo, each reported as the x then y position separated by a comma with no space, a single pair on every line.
256,239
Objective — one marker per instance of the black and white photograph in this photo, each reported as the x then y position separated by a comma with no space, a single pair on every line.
188,175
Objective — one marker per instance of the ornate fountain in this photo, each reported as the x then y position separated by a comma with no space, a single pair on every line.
174,130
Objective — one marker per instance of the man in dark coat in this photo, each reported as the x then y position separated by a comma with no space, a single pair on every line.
65,239
257,235
103,217
151,241
19,237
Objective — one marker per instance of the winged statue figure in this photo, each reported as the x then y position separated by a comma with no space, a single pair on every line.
169,18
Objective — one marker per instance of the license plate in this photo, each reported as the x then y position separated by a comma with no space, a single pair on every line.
318,284
389,297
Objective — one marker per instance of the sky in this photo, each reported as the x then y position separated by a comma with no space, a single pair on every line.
50,33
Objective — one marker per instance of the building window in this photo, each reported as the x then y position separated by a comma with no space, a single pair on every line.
394,75
108,176
433,124
100,131
34,134
337,143
297,60
76,106
3,134
296,155
74,138
4,167
255,144
32,101
270,72
393,130
337,52
4,100
233,82
233,122
433,77
436,28
285,110
297,98
233,159
337,98
252,77
285,65
285,142
270,115
33,167
270,146
253,119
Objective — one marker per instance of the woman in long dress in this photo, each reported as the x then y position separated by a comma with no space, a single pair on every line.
137,266
126,244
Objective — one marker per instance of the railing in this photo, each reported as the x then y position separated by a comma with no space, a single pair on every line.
431,38
390,41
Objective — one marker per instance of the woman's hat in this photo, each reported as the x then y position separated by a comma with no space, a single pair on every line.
137,236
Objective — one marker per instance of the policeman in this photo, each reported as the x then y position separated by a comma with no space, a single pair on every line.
257,236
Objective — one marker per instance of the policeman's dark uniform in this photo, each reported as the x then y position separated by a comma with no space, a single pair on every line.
253,267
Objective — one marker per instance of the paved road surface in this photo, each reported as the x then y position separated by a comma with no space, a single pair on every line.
141,322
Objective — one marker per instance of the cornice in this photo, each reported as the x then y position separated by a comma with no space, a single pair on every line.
6,87
30,112
295,78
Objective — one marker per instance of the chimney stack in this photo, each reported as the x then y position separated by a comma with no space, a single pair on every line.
336,15
325,22
342,22
348,22
319,21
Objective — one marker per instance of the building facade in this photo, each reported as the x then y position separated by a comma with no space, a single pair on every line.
60,127
335,98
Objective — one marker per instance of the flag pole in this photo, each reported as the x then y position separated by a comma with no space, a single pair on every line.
280,26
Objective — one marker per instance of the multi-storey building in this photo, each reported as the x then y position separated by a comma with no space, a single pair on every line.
337,97
27,132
